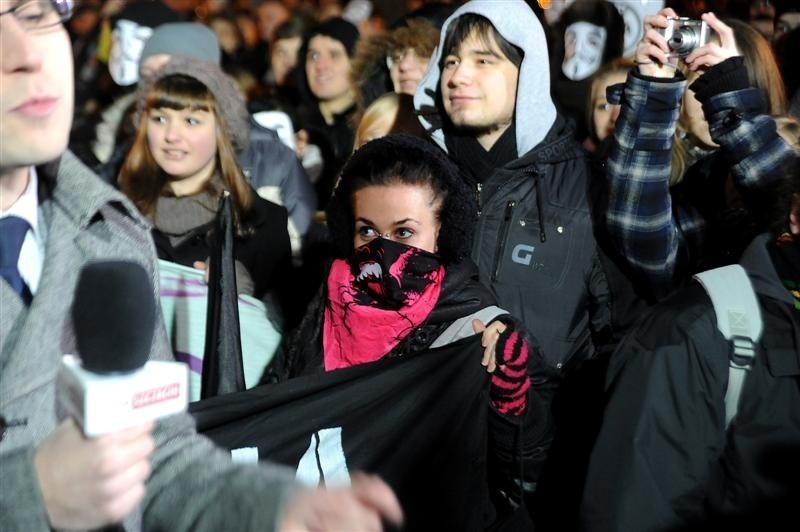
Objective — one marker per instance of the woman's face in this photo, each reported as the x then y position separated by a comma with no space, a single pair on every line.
693,118
604,114
284,57
327,68
183,143
406,69
402,213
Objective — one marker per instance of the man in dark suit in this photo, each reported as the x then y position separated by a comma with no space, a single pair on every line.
56,216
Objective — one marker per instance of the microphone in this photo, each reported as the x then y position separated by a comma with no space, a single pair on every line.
111,381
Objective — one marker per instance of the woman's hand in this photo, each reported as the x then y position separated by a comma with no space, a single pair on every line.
713,53
652,53
489,342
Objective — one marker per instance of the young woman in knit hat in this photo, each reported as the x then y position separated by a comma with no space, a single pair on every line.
191,120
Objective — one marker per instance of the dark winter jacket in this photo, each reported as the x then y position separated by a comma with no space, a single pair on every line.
538,248
663,459
266,253
461,295
334,140
534,246
268,162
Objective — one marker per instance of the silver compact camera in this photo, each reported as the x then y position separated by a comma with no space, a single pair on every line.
684,34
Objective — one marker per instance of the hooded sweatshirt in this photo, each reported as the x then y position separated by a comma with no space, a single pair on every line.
517,23
536,248
534,242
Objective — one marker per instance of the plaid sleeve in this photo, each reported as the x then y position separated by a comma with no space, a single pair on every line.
640,217
739,123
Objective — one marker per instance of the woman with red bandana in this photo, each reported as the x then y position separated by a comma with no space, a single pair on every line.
401,219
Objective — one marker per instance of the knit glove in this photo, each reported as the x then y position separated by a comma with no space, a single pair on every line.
510,382
727,76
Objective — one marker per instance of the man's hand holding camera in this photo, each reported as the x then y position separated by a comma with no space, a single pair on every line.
657,55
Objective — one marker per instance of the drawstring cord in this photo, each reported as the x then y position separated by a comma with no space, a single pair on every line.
536,178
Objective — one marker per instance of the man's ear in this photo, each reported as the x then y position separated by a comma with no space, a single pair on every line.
794,215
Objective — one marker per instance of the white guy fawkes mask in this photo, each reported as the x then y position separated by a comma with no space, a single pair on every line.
127,43
583,50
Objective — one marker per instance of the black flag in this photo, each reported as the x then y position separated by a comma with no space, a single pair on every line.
222,361
419,422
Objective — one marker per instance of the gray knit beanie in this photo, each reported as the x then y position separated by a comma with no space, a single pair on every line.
229,100
187,39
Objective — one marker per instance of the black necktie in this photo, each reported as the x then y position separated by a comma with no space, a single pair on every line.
12,233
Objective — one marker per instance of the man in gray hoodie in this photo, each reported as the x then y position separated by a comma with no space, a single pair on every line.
485,99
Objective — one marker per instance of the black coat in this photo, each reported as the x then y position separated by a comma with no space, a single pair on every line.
663,459
265,252
516,445
335,142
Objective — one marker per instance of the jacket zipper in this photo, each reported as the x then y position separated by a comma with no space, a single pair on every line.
537,176
478,189
504,236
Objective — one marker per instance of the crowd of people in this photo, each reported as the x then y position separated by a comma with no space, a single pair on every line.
539,181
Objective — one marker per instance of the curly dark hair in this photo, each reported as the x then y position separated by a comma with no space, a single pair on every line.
407,160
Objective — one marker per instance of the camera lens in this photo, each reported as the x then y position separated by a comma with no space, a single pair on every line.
683,41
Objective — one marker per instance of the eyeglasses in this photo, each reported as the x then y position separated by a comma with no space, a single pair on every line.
37,15
396,56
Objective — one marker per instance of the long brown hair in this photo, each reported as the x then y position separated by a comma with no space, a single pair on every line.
762,67
762,73
620,65
143,181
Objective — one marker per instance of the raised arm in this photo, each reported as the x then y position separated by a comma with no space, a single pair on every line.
640,217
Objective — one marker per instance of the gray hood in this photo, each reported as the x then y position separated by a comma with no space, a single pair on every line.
535,111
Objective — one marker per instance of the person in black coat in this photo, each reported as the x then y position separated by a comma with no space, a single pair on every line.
666,457
325,117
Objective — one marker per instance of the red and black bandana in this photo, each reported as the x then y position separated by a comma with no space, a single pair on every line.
373,304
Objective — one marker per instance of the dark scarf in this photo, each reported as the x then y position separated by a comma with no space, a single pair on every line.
179,217
476,161
375,302
785,254
461,295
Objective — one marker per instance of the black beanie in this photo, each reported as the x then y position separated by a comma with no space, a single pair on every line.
149,14
339,29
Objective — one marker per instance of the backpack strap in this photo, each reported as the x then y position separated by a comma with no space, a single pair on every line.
462,327
739,321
